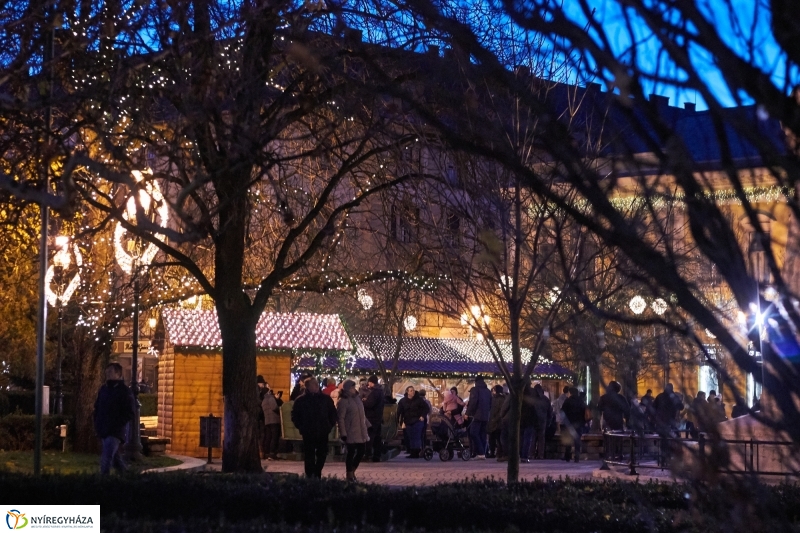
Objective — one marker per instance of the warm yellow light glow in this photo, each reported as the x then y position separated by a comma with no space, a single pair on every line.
152,322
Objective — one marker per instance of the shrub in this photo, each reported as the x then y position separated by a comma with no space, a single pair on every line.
17,432
212,502
22,401
149,404
5,406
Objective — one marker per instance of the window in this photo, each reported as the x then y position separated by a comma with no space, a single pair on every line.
404,222
452,227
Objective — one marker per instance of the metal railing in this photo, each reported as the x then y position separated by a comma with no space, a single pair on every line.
614,452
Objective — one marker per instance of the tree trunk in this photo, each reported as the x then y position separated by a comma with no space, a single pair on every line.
90,359
240,452
514,418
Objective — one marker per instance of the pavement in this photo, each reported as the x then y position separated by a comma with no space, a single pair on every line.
403,472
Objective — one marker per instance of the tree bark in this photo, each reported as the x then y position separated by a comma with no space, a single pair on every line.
240,451
514,417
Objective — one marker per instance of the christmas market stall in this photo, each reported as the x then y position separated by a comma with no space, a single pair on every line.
433,364
190,367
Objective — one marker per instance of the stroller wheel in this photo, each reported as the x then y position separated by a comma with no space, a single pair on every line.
445,454
466,455
427,454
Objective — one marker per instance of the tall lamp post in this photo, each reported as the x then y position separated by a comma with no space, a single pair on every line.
133,254
58,298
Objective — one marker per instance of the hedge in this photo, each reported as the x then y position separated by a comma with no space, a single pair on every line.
17,432
5,405
195,502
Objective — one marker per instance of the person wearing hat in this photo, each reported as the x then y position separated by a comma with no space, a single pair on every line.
300,386
373,407
314,416
353,426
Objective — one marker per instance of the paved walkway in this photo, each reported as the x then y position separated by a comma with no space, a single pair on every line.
403,472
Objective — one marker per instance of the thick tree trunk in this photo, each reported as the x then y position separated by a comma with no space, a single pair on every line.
240,451
514,417
90,359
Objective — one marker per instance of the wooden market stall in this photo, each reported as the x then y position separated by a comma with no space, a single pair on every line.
190,366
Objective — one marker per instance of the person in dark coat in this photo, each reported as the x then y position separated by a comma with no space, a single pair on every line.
414,413
665,410
574,409
494,427
527,423
373,407
399,414
479,409
544,412
113,410
740,409
615,407
314,416
300,386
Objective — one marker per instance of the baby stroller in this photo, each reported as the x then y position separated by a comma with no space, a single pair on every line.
447,440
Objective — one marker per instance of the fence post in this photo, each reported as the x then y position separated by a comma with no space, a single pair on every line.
752,445
605,466
633,454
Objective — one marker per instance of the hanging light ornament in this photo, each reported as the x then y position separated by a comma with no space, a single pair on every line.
365,299
151,193
637,305
62,259
410,323
659,306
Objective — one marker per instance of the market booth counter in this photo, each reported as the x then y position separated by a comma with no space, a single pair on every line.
190,367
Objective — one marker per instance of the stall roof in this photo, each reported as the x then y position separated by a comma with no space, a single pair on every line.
433,356
292,331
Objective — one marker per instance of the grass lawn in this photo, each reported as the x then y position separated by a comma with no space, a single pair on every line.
55,462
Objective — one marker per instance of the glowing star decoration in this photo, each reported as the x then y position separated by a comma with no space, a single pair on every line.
147,196
410,323
637,305
365,299
710,335
659,306
62,259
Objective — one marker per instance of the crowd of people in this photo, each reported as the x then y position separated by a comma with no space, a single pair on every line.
668,412
357,410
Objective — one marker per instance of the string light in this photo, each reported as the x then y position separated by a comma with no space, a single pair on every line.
295,331
431,357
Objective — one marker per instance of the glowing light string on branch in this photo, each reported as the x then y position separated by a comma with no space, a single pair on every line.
149,195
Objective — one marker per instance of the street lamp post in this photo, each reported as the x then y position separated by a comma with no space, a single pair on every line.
58,298
132,256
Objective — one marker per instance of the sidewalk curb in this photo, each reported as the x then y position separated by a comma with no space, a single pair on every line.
188,464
